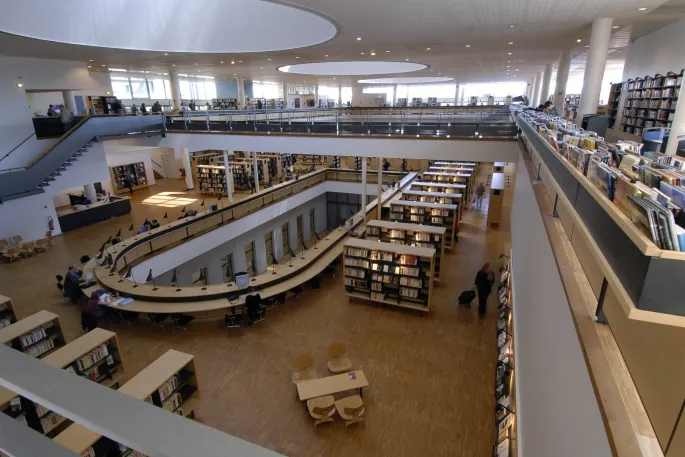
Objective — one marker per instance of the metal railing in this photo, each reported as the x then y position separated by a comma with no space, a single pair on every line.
450,121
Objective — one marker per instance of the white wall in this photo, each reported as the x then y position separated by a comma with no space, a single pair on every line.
157,154
40,101
659,52
127,157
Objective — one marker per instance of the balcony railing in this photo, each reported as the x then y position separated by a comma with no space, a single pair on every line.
438,122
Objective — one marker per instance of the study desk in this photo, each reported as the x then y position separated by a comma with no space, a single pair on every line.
330,385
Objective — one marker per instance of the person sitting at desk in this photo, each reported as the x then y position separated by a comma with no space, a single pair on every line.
71,284
144,228
253,305
52,111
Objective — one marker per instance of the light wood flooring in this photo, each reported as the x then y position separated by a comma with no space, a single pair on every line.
432,377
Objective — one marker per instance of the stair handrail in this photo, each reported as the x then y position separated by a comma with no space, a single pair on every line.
17,146
47,150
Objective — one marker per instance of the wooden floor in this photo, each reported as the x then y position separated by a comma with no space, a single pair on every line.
432,377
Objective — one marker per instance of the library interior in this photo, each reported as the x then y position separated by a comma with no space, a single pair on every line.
314,228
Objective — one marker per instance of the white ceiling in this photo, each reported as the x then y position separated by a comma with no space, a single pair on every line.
463,39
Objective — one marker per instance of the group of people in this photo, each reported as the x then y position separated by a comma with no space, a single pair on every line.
156,108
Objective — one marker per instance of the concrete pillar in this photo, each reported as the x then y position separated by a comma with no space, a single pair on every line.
175,90
285,95
536,91
229,177
316,95
546,80
456,95
241,93
356,95
90,192
69,101
339,96
562,80
380,187
594,67
256,171
364,184
185,158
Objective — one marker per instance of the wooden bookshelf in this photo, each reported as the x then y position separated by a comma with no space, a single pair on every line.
392,274
7,314
134,171
211,179
143,386
451,169
453,178
448,163
432,186
612,104
435,214
423,236
650,102
47,334
434,197
242,168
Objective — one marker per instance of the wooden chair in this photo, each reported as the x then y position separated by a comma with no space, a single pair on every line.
48,236
337,362
3,245
41,246
351,409
16,240
27,249
305,369
12,254
322,409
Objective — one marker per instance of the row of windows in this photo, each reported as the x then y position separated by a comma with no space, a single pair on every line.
157,88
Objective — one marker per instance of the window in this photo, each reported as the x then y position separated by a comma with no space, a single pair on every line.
285,239
346,95
184,85
269,244
329,93
121,88
167,89
156,87
389,92
127,84
264,89
227,268
300,229
249,259
139,88
312,222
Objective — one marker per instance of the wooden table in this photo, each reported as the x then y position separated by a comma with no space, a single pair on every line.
330,385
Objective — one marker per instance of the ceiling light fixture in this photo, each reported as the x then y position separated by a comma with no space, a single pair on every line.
90,60
359,38
173,64
373,53
20,85
468,45
642,9
166,53
195,63
297,57
325,55
361,53
232,62
509,53
511,42
88,66
387,51
587,45
103,65
221,61
579,40
406,59
268,59
428,49
615,27
511,26
240,61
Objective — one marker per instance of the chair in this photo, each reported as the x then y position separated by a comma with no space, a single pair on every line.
3,245
157,320
15,240
270,303
233,319
337,363
27,249
41,246
322,409
128,317
305,368
350,409
12,254
180,322
48,236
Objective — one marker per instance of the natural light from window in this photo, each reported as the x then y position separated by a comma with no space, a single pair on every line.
169,200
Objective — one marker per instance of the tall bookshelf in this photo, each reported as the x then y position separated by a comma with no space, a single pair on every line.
452,178
95,356
392,274
505,392
145,386
37,335
442,163
432,186
612,104
7,313
242,168
434,197
134,171
423,236
650,102
435,214
211,179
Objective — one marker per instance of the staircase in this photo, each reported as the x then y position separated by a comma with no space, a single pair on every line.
51,163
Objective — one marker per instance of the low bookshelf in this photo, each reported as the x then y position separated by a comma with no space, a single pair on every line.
434,197
173,369
452,164
423,236
432,186
392,274
454,178
436,214
37,335
7,314
450,169
212,179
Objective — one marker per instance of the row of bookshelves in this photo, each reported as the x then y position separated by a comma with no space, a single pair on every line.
37,335
422,236
132,174
7,314
435,214
392,274
443,198
504,372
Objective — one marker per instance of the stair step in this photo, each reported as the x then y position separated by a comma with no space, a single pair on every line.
67,164
49,179
55,173
82,149
78,154
62,168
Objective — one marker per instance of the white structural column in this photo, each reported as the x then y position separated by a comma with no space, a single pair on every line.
562,80
256,172
175,90
90,192
356,95
456,95
380,188
677,128
363,205
546,80
339,101
594,68
185,158
229,177
316,95
241,93
536,90
69,102
285,95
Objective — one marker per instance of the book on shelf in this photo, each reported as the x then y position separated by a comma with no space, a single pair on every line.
357,252
354,273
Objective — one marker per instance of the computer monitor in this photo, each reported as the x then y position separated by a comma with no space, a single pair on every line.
242,279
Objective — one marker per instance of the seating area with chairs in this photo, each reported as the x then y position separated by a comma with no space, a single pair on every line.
14,248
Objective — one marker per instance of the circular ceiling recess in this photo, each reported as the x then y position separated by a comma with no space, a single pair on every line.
218,26
352,68
410,80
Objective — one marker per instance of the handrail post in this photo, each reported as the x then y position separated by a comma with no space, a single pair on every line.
207,119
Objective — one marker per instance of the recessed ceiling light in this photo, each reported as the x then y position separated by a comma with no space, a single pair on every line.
195,63
240,61
333,78
579,40
511,26
325,55
103,65
642,9
387,51
154,66
587,45
232,62
439,73
166,53
615,27
268,59
88,66
173,64
428,49
221,61
509,53
511,42
20,85
361,53
406,59
468,45
297,57
517,69
373,53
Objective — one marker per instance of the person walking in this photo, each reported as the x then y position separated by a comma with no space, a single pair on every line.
251,179
484,281
479,194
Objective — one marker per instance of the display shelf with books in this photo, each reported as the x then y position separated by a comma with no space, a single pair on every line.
172,376
424,236
37,335
242,168
132,173
7,314
224,103
650,102
211,179
274,163
442,163
451,169
613,103
452,178
436,214
434,197
392,274
505,393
